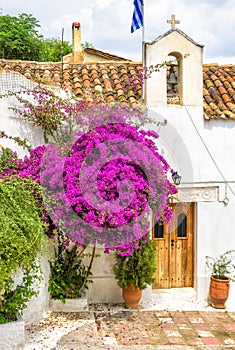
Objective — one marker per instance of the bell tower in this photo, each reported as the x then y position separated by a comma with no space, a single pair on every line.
179,82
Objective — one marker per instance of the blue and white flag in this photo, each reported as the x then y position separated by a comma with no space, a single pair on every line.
137,19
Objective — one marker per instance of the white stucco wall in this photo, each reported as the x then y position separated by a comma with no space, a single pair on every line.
9,121
181,141
215,234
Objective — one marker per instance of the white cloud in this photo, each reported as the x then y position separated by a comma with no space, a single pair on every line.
106,23
104,3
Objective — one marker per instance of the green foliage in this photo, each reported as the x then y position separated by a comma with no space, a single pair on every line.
14,299
20,142
19,37
138,268
87,44
7,159
223,266
69,275
21,227
53,50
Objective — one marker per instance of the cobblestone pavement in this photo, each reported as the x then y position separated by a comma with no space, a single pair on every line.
114,327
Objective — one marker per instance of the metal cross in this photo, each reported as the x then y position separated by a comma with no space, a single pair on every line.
173,21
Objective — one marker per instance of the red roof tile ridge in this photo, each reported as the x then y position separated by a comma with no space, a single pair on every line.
226,65
108,62
29,62
210,65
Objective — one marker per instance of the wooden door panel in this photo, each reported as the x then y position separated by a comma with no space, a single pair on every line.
174,251
162,256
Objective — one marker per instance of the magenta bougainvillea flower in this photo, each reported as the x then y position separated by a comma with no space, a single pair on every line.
101,186
104,187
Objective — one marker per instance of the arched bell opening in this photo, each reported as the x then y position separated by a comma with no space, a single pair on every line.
174,78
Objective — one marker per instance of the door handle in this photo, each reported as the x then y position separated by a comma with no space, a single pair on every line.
172,243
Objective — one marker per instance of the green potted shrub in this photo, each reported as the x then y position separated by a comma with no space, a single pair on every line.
222,271
70,274
136,271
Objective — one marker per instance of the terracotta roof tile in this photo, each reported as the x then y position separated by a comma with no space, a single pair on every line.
116,81
213,106
229,114
222,90
226,83
226,97
120,82
78,91
231,91
77,85
229,79
208,98
217,98
221,106
219,81
231,106
205,92
213,92
107,84
97,81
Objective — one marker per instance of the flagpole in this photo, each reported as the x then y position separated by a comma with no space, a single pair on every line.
143,54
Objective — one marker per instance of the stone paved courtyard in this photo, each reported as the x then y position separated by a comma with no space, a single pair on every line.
114,327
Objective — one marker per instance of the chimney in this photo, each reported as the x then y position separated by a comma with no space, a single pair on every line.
78,53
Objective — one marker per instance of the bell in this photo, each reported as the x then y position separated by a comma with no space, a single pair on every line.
172,79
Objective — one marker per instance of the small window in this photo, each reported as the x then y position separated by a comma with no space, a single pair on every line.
182,226
158,230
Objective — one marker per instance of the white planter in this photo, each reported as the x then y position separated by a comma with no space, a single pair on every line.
12,335
71,305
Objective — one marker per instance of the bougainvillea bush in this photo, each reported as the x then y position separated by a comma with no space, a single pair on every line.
103,188
101,185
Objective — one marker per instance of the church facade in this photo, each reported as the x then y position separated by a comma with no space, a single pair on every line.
199,143
198,103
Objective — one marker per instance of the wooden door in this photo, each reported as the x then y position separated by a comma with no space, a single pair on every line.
174,249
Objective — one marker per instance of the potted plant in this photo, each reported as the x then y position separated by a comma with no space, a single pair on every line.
135,271
222,271
69,274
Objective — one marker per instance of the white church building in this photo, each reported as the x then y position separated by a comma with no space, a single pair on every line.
198,141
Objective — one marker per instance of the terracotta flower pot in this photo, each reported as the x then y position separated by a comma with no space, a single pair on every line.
219,291
131,296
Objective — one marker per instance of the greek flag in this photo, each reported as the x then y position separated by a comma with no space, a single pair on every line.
137,19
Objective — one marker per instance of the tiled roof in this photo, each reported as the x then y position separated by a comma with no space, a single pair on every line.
119,82
115,82
219,91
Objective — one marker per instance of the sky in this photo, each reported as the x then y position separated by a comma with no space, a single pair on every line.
106,23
